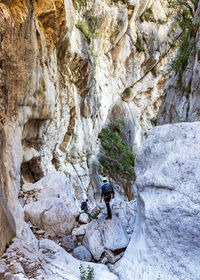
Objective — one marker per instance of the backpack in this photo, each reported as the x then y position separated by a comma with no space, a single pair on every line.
84,206
108,189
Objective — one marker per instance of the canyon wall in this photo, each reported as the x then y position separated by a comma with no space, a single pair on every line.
66,69
181,97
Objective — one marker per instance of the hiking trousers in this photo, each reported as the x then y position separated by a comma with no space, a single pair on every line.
107,199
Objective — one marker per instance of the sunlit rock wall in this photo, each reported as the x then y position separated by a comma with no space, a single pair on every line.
62,70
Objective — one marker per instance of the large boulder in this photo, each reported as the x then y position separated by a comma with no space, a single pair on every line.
51,215
55,184
105,234
166,239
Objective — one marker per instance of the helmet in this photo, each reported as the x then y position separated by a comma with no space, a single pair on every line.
105,179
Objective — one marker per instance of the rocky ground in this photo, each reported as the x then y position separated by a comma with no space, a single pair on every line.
60,230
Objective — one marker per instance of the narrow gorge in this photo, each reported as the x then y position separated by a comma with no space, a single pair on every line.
93,89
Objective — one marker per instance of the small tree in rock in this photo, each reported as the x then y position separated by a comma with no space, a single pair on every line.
86,274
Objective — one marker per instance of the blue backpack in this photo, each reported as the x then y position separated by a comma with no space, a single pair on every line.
107,189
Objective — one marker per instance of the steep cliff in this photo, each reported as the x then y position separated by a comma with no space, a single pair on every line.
64,65
68,69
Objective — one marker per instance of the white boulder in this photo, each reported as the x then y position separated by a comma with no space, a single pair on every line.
84,218
51,215
80,230
54,184
105,234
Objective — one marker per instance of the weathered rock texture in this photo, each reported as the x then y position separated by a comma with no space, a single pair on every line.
166,239
6,232
182,104
105,234
57,90
47,261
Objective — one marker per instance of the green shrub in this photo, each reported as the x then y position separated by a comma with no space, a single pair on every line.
78,4
86,274
126,93
154,121
82,27
89,27
187,89
181,60
140,48
123,1
184,17
118,159
94,22
148,15
47,250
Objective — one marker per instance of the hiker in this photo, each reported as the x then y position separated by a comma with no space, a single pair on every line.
106,193
84,206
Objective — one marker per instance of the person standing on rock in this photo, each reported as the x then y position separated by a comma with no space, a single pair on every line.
84,206
107,193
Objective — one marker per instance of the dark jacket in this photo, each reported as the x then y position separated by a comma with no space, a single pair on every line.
84,206
107,190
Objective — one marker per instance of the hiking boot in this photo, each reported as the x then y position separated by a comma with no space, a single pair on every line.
109,217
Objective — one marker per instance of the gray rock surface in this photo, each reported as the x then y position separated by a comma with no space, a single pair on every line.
68,242
48,261
82,254
111,258
182,103
125,211
113,234
84,218
79,231
51,215
67,267
3,269
92,241
55,184
104,234
166,239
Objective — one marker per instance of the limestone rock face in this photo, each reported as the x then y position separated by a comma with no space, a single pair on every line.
6,231
55,184
60,78
182,104
105,234
166,237
125,212
51,215
80,230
